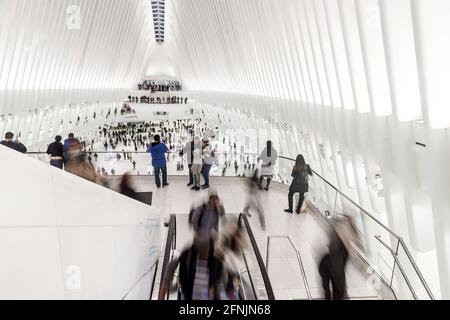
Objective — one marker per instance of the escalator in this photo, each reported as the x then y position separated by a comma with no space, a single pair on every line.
254,283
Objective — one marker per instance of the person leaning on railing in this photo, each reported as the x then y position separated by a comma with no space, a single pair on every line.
15,145
56,152
299,184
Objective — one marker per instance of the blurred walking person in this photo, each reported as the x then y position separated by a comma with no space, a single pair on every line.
230,245
126,186
80,167
72,147
206,218
254,201
200,272
332,266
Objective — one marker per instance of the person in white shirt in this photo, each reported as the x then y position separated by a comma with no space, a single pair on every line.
269,157
208,159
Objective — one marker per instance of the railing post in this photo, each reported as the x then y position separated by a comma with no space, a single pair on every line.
408,283
395,262
261,265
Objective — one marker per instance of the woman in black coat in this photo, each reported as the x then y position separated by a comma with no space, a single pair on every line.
299,183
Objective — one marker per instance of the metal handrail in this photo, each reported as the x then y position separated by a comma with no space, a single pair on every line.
299,259
240,279
262,268
400,239
170,242
394,255
153,266
252,284
350,200
140,152
154,279
95,151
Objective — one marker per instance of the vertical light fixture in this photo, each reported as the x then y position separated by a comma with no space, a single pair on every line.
158,11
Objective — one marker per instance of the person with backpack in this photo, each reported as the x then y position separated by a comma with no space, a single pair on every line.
299,184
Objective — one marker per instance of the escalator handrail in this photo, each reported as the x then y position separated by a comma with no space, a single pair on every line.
262,267
154,279
241,281
170,241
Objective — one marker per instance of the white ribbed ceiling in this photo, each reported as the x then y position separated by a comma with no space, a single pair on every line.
380,56
54,45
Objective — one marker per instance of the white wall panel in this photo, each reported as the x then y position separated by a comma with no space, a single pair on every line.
64,236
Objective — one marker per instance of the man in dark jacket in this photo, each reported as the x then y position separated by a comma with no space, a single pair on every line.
158,151
15,145
56,152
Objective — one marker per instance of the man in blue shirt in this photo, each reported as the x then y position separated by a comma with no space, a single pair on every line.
158,151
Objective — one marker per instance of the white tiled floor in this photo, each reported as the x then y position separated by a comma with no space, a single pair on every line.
284,271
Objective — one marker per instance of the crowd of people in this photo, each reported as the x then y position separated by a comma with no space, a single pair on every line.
211,250
126,109
162,140
156,86
158,100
